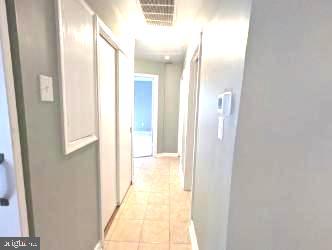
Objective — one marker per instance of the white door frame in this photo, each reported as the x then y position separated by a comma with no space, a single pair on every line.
155,81
9,82
107,34
192,117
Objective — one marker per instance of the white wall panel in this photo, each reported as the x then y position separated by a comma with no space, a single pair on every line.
78,76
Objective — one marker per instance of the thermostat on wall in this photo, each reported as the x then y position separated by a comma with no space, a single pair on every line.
225,104
224,110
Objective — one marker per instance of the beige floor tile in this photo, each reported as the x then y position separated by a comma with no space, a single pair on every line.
174,172
134,211
146,246
112,245
180,233
185,204
127,230
179,214
137,198
160,180
175,169
144,179
175,188
163,171
158,198
160,188
141,187
182,197
160,184
155,232
110,230
176,183
181,247
157,212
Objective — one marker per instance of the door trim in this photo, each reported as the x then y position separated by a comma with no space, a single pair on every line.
191,123
73,145
15,136
155,95
106,33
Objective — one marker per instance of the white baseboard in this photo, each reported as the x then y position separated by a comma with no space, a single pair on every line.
193,237
98,246
167,155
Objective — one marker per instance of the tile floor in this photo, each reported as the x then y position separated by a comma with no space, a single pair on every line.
155,213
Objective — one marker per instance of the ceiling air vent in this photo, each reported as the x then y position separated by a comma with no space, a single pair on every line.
158,12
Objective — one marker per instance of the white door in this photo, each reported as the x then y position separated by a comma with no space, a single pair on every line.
191,124
9,215
13,214
125,112
107,127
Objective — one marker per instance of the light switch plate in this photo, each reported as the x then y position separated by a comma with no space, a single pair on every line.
46,88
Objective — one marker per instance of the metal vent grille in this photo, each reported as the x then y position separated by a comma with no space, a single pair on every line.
158,12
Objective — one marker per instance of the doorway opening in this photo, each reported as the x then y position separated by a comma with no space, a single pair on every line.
145,115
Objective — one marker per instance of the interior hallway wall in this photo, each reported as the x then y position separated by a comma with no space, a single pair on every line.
223,55
168,101
173,74
281,184
62,190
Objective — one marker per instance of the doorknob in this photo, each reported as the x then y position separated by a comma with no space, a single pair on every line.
3,201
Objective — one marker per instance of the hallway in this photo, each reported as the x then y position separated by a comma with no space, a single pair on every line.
155,214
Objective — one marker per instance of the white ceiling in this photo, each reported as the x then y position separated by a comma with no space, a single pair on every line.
154,43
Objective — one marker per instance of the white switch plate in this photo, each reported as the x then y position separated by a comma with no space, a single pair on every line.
46,88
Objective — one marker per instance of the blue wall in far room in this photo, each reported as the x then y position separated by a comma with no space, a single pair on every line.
143,106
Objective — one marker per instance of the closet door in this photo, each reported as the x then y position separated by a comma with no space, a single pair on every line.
125,112
107,127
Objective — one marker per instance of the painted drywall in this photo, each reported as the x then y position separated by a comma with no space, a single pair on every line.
173,74
223,53
143,106
168,101
62,190
281,184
